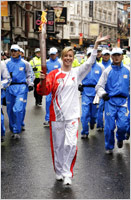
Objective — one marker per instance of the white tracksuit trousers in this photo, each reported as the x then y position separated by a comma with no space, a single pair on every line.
63,138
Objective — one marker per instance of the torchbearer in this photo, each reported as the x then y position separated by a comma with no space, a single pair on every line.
65,110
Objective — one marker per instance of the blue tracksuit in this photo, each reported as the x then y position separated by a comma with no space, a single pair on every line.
50,65
115,81
128,122
20,72
89,110
26,93
5,80
101,103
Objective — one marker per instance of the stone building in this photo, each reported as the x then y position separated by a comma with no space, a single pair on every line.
84,18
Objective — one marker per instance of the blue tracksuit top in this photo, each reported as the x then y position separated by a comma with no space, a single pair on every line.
106,64
92,79
118,82
17,68
52,64
20,73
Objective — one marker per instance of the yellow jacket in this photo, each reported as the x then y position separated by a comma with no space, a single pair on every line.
36,63
75,63
126,60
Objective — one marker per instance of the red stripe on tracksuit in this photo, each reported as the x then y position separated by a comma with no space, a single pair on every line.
51,144
74,159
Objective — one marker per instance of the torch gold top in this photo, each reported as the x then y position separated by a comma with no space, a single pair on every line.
43,20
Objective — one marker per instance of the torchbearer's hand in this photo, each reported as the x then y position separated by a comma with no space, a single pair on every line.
30,88
34,69
42,77
105,97
100,39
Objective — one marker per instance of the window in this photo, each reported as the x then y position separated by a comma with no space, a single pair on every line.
109,17
78,9
104,16
104,30
72,28
99,15
86,10
86,29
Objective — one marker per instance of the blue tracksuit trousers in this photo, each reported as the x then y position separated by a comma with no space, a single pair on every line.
99,119
2,124
89,113
114,116
48,102
15,107
24,109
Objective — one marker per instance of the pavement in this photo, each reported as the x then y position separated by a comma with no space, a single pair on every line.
27,170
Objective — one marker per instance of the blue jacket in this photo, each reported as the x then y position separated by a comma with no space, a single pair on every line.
106,64
115,80
52,64
91,79
20,72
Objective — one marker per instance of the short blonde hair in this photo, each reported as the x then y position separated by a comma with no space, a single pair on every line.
65,50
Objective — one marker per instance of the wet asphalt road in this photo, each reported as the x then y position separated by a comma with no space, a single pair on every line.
27,169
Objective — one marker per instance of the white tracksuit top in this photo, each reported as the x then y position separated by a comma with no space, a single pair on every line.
65,103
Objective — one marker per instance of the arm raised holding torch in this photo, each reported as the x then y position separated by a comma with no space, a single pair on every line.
42,38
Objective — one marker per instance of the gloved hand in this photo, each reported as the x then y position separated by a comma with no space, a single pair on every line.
105,97
30,88
34,69
80,88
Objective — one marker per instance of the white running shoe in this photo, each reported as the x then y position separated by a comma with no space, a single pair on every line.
46,124
84,136
59,177
67,181
109,151
15,136
99,129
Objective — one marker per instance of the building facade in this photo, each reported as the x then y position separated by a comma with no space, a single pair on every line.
85,19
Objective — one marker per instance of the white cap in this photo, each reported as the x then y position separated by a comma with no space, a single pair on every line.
105,51
116,50
99,48
37,50
22,50
89,51
53,50
15,47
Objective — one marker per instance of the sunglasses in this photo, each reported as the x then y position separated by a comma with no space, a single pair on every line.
116,54
12,50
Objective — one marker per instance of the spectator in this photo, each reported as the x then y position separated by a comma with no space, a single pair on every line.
36,65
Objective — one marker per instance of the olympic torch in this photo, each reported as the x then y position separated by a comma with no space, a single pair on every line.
42,39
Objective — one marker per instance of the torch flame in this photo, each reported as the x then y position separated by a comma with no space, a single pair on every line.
43,20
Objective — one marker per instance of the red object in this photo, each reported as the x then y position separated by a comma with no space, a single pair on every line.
81,34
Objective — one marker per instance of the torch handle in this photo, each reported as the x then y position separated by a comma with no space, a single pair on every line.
44,80
42,39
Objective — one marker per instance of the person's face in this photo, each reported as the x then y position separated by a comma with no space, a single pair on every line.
38,54
117,58
106,57
22,54
53,56
2,57
99,54
68,59
14,53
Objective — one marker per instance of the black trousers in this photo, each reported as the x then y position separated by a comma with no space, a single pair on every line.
38,98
